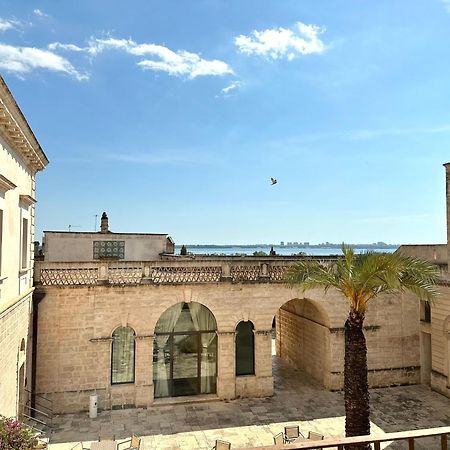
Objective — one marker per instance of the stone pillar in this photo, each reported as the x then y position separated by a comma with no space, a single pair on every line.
144,371
226,272
226,366
263,362
447,173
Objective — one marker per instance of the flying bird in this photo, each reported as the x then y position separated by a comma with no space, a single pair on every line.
273,181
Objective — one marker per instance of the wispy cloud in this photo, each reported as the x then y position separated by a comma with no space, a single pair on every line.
367,134
166,158
70,47
7,24
154,57
277,43
232,87
39,13
22,60
446,4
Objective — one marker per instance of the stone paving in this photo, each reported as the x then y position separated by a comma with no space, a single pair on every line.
252,422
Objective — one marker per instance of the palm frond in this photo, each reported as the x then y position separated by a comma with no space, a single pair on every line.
363,277
310,274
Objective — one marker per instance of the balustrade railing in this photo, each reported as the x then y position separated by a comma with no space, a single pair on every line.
166,271
409,437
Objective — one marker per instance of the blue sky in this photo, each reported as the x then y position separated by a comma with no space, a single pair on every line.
173,115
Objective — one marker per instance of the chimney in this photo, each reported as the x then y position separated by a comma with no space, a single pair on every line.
104,228
447,173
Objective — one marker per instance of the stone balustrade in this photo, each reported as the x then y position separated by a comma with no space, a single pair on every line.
168,270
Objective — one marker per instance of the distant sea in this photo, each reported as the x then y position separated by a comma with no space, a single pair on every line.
284,251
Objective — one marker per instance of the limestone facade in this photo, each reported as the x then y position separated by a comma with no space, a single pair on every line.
75,326
79,246
20,158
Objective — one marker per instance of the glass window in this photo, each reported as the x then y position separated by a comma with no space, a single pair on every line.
122,359
24,243
245,349
185,351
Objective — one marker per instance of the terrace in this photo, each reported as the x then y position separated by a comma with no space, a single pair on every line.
252,423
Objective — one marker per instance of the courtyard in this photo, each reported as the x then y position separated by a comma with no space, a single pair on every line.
254,422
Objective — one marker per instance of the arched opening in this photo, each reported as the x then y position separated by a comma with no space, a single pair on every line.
122,355
245,349
302,337
185,351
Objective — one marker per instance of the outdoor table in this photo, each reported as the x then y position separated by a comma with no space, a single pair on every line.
299,439
104,445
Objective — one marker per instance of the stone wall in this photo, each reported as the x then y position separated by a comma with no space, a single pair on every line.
13,336
434,253
73,246
447,184
75,325
303,341
440,341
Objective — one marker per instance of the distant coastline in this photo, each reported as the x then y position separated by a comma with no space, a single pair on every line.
378,245
281,250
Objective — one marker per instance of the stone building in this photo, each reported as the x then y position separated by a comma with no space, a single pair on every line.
435,318
85,246
21,157
143,332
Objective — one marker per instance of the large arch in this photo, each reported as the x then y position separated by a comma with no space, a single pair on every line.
302,337
185,351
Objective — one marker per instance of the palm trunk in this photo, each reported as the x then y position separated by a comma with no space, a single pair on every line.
356,388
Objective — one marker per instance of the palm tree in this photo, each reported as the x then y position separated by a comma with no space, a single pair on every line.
361,278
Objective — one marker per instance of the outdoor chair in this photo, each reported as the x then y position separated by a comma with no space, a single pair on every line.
279,439
132,444
110,437
292,432
221,445
315,436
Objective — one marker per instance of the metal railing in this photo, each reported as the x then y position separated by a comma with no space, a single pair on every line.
167,271
345,443
37,412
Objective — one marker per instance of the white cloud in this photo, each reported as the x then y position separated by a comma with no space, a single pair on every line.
39,13
22,60
277,43
7,24
71,47
154,57
232,87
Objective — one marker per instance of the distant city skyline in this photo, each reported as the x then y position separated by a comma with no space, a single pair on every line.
174,116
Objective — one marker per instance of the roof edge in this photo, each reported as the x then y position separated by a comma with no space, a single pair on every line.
17,130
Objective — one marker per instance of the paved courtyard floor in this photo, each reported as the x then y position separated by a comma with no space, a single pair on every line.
252,422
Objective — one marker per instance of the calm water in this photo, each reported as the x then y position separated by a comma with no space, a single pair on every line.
285,251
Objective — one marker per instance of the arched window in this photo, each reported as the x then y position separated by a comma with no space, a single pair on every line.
122,355
245,349
185,351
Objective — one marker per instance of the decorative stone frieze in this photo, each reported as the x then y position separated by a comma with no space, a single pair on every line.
16,131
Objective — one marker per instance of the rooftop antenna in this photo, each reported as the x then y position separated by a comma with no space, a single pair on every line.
73,226
95,226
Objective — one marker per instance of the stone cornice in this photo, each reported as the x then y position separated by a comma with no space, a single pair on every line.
5,184
27,200
16,131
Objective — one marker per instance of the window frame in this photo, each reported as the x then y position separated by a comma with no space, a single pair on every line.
112,357
251,332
